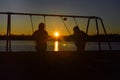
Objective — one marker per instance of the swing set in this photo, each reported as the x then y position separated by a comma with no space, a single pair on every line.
63,19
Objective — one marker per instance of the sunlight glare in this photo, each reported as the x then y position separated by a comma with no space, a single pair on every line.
56,46
64,44
56,34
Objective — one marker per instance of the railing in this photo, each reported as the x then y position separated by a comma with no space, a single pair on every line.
9,14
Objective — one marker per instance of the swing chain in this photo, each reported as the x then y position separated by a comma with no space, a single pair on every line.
65,25
31,23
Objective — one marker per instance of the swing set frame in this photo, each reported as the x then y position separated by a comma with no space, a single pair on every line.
9,14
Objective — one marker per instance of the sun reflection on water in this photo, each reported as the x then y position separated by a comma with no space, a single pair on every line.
56,44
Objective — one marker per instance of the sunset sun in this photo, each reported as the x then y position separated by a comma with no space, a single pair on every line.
56,34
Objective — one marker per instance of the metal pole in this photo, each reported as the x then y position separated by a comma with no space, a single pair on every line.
8,41
105,33
99,44
55,15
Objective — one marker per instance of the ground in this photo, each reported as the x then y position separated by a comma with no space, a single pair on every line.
60,66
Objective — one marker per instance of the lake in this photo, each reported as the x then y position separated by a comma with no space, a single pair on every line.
17,45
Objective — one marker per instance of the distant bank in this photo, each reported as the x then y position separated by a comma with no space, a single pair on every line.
102,38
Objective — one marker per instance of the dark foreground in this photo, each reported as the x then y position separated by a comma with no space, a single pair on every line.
60,66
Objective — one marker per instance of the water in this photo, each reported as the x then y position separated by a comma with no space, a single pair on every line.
18,45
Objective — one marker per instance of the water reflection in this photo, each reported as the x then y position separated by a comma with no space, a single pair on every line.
56,44
18,45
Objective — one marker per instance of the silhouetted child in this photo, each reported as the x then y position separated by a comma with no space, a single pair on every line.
79,39
41,37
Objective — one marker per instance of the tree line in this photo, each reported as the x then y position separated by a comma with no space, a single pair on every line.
101,37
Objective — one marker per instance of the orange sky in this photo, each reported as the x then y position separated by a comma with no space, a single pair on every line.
22,25
108,10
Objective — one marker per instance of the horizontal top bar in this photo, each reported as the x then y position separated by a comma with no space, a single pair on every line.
12,13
